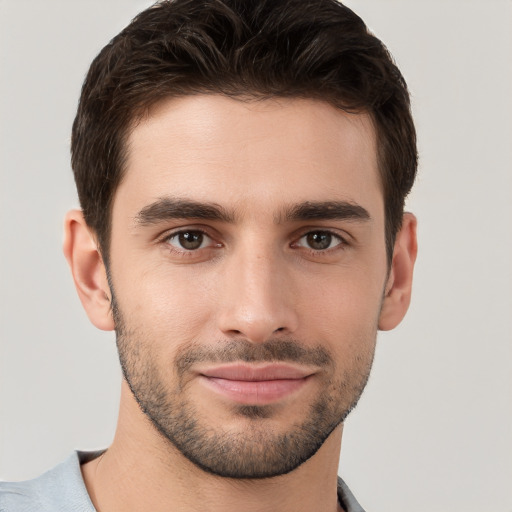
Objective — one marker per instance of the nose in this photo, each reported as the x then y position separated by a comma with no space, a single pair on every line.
258,300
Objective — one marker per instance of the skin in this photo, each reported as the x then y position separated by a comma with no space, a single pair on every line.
258,276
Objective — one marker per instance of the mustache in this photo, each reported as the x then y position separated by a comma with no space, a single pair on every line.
273,350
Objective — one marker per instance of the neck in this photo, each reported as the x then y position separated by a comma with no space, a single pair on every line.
142,471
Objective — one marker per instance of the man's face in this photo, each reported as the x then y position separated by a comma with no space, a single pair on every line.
248,267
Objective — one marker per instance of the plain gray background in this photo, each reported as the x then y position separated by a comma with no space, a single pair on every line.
433,431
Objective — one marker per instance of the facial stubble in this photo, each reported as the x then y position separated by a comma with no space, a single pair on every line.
258,450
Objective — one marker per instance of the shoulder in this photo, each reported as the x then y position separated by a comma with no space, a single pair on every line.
60,489
347,499
21,496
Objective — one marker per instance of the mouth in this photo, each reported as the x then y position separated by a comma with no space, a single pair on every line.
255,384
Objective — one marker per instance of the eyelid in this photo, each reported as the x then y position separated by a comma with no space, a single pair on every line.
175,237
183,228
169,234
343,240
342,235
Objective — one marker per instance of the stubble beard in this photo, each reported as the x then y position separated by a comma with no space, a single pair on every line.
256,451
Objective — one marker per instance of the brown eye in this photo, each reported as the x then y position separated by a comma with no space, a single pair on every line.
320,240
189,240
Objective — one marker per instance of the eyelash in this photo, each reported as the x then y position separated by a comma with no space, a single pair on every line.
184,251
341,244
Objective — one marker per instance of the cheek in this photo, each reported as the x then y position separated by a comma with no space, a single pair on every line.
345,309
164,302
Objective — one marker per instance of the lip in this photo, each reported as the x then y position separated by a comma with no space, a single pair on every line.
255,384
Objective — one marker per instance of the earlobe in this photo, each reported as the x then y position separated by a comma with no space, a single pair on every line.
88,270
397,294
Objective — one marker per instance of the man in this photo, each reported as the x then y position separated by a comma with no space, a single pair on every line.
242,167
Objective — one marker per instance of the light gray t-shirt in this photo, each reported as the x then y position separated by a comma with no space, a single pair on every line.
62,489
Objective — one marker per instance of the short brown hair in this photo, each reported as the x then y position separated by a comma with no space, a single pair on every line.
315,49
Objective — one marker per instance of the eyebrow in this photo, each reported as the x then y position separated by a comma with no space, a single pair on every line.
328,210
168,208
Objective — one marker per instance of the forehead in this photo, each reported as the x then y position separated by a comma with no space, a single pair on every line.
257,152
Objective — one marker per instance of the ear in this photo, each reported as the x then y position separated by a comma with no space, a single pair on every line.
89,273
397,294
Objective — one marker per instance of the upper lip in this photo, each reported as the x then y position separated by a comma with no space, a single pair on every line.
255,373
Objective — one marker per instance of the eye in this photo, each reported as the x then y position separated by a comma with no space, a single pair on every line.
320,240
190,240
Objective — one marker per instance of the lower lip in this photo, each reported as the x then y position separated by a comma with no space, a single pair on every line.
260,392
